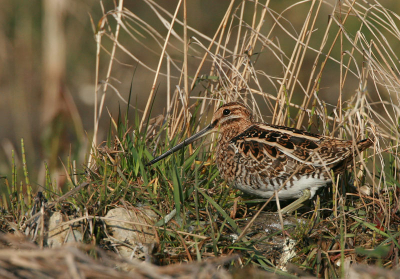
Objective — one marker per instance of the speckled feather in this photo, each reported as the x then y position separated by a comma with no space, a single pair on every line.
259,158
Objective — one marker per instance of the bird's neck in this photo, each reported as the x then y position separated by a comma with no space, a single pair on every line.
227,132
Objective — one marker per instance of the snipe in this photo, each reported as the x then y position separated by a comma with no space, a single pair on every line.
259,158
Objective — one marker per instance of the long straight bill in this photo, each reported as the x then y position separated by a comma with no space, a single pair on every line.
188,141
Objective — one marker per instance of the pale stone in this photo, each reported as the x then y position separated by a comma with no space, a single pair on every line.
132,240
58,235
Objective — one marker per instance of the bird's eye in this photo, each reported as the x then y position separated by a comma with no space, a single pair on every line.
226,112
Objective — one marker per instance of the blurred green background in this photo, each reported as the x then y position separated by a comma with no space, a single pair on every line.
48,69
47,74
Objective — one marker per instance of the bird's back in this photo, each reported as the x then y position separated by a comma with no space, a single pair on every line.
265,157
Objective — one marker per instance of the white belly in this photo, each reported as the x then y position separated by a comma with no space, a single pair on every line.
289,192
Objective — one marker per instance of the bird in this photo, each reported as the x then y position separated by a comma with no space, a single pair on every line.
261,159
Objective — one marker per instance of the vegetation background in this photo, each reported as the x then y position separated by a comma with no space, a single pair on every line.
48,71
48,74
56,81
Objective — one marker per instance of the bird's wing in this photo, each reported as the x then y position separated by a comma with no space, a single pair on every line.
262,141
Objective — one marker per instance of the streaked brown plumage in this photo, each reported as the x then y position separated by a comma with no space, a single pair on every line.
258,158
